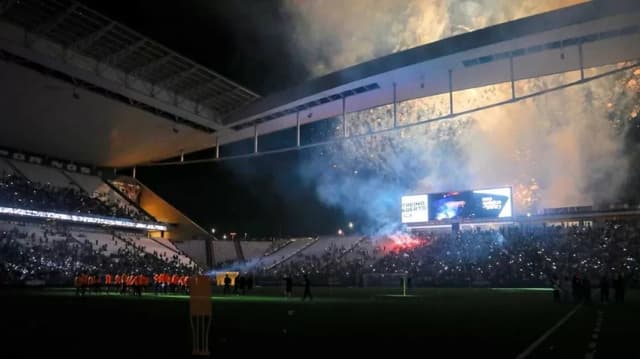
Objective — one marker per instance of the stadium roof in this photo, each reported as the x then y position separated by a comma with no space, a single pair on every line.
82,87
40,115
79,29
67,41
582,36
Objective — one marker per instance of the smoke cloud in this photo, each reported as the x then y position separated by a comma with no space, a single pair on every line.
333,34
560,149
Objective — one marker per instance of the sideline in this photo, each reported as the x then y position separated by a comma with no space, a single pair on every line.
544,336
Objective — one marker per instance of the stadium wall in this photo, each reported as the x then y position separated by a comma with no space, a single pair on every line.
194,249
185,233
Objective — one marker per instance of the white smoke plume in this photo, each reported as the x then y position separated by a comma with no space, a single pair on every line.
335,34
558,149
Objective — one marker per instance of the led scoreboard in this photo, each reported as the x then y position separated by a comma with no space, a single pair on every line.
474,204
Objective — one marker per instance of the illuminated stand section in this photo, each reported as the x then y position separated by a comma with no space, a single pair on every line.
113,222
442,210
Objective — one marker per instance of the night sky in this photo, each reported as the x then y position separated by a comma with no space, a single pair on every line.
250,43
247,41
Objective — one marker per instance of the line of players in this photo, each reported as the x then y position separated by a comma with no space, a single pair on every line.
133,284
578,289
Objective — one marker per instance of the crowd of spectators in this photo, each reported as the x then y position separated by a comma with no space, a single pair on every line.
331,266
515,256
55,256
19,192
506,257
119,207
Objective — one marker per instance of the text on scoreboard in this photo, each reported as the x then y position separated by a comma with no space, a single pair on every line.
415,209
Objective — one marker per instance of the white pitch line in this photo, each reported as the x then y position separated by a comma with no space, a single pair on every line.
594,342
544,336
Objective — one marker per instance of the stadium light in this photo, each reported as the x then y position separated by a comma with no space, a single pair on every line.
107,221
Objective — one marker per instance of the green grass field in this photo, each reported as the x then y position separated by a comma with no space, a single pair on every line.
456,322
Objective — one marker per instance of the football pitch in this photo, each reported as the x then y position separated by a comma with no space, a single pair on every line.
496,323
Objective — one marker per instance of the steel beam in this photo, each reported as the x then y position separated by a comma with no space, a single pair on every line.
344,116
298,129
86,42
255,139
581,61
150,66
512,77
450,91
217,147
395,108
168,81
47,26
118,56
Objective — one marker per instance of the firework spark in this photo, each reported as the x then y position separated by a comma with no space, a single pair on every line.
558,149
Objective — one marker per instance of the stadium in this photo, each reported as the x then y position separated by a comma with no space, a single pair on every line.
453,176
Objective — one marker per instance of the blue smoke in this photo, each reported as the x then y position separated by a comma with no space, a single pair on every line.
366,179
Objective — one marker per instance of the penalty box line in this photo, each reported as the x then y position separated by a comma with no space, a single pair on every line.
544,336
